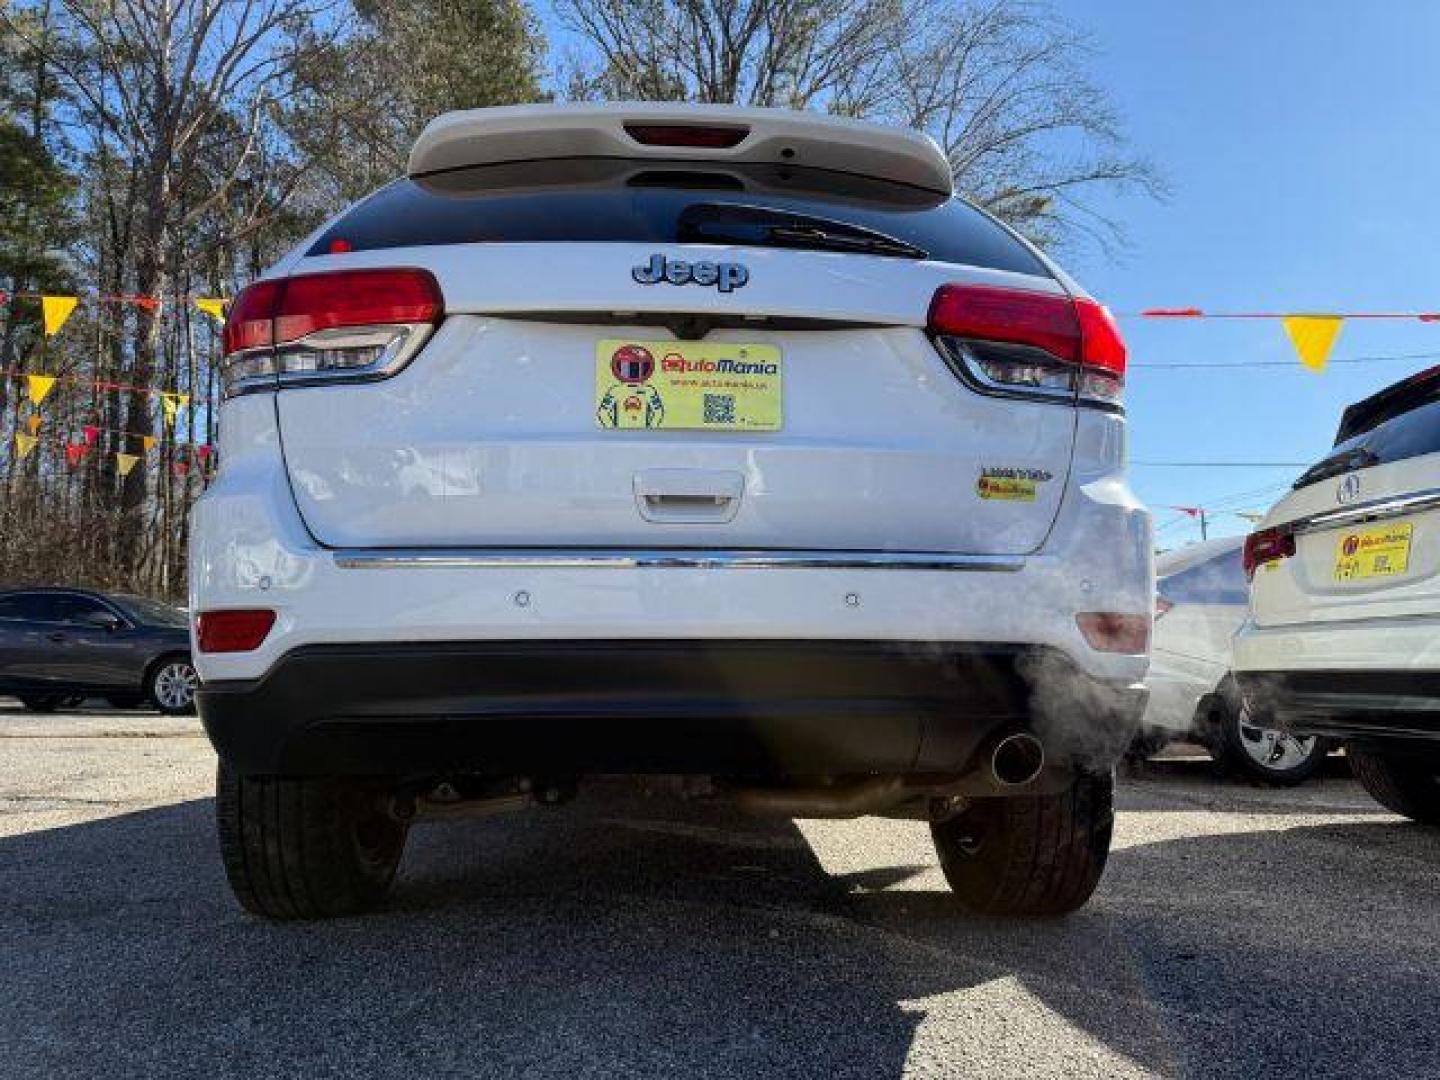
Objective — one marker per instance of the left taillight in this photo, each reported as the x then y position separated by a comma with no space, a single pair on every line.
1041,344
345,325
1267,546
238,630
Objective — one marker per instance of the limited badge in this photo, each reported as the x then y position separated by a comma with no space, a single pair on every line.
1010,484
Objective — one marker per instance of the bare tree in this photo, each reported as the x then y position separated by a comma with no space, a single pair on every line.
162,88
791,53
1002,85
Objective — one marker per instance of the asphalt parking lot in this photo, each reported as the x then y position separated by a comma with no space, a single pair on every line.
1238,932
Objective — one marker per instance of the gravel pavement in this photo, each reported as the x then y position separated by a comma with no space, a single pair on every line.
1238,932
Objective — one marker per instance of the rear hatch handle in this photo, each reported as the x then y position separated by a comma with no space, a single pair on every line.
689,496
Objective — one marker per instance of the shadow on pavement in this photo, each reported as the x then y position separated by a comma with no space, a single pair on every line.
622,938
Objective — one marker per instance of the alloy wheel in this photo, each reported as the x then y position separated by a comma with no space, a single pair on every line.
175,685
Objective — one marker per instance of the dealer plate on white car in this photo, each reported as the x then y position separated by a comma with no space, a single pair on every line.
687,385
1383,551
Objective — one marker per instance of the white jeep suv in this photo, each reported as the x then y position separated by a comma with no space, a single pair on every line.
713,444
1343,638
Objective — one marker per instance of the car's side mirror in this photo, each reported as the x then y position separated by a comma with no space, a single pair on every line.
101,620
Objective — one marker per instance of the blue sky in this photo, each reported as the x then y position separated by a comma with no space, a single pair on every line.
1299,141
1298,138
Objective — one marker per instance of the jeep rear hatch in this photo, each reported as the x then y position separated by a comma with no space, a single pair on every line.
592,385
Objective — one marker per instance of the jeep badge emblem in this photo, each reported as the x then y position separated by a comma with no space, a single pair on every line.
724,276
1349,489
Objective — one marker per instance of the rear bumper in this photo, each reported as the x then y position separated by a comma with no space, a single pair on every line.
1359,706
771,709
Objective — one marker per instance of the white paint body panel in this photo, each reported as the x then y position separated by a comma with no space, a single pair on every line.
1190,655
490,437
1191,650
250,548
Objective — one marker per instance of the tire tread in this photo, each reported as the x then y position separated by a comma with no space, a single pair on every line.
288,850
1047,851
1410,789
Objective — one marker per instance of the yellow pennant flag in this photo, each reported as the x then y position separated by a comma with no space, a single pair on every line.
125,462
34,424
172,404
213,306
24,444
55,310
1313,337
39,385
148,442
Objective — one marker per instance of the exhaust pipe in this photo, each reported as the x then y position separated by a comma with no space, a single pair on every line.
1017,759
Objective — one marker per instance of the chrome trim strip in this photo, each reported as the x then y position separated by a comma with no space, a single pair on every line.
1392,506
673,558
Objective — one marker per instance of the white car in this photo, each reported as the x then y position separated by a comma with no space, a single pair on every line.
1344,634
1201,599
711,443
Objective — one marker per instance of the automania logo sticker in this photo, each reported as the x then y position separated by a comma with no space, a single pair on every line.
725,276
676,364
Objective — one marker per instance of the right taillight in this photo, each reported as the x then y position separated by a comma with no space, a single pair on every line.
1019,341
1267,546
342,325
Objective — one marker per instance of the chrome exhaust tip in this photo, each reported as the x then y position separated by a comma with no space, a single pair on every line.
1017,759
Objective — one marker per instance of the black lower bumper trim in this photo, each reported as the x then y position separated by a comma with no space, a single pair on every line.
715,707
1369,706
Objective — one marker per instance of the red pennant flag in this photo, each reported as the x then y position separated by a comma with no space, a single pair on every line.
204,450
74,452
91,434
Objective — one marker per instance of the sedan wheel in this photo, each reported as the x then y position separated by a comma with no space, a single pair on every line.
1273,756
172,686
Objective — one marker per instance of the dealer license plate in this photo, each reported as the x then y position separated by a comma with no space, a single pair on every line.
687,386
1383,551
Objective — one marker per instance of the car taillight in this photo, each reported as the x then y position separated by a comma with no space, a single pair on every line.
1267,546
346,324
1115,631
233,631
1020,341
1162,606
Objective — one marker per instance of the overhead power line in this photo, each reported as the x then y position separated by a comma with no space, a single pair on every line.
1186,365
1224,464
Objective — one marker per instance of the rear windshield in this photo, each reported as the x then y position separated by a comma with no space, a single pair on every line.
1400,422
1220,580
642,202
152,612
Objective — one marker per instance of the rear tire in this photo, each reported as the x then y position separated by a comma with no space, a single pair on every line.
1029,854
1406,786
306,848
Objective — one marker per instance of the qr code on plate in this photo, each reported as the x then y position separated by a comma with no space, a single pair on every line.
719,408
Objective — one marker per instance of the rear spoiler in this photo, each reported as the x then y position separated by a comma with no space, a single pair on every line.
721,134
1409,393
